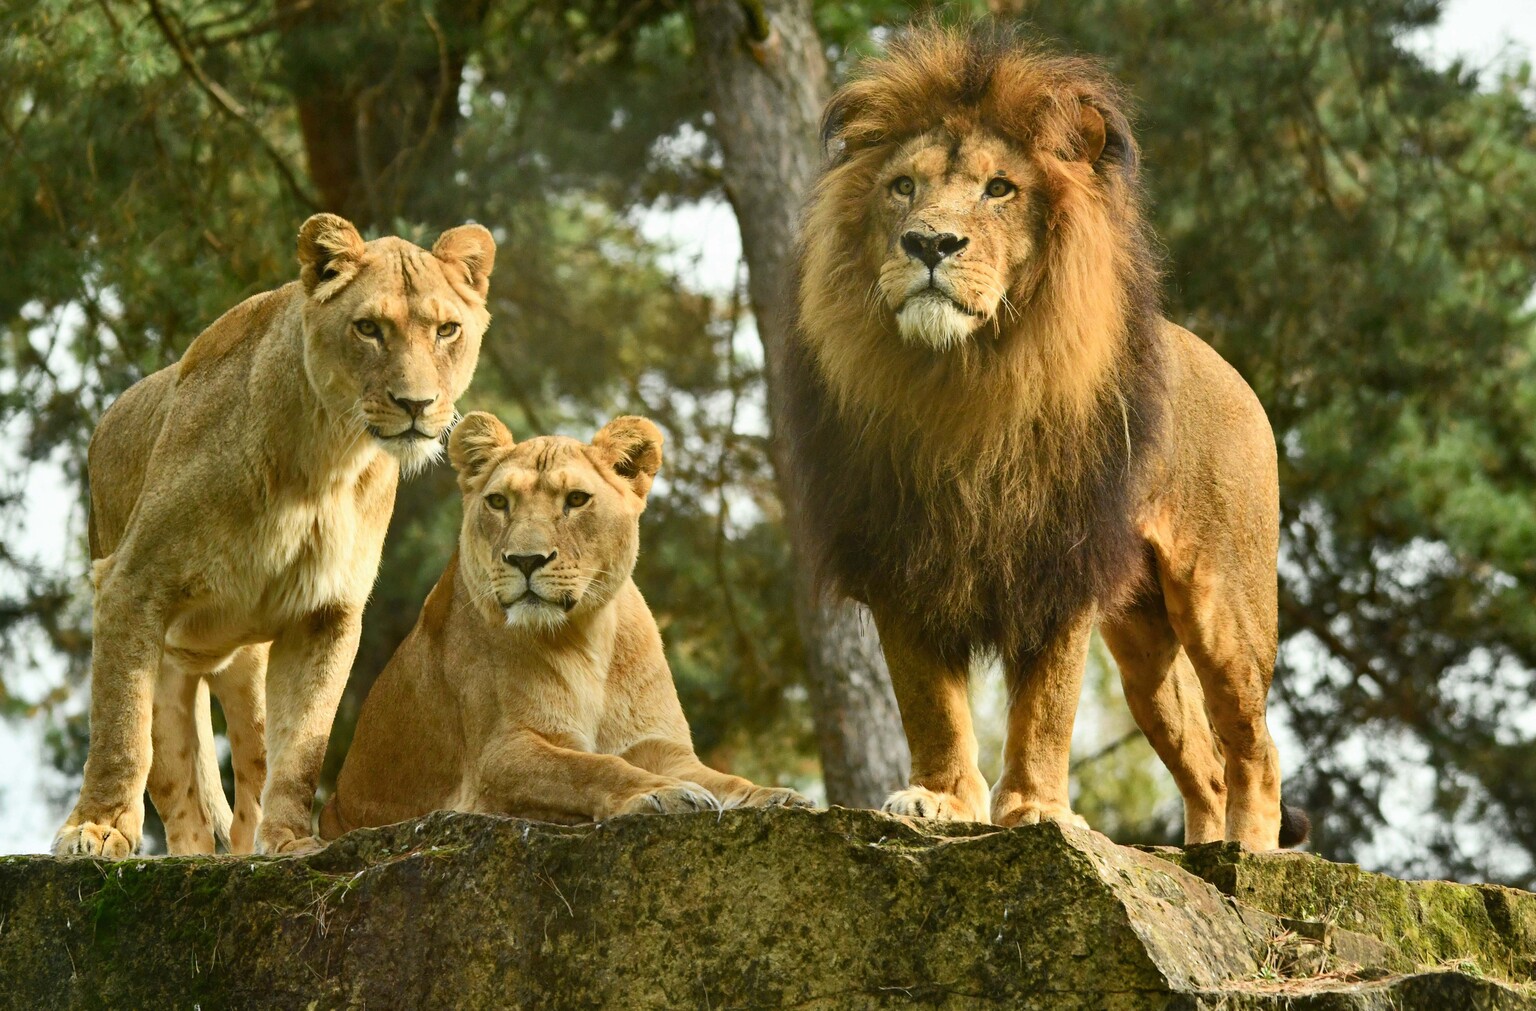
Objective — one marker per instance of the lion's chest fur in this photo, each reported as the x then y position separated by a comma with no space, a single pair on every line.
990,550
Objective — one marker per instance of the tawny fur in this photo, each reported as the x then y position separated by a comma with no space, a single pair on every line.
1000,448
239,500
540,692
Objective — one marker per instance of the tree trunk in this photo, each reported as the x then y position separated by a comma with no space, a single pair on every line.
767,81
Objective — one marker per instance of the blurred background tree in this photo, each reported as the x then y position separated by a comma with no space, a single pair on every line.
1351,225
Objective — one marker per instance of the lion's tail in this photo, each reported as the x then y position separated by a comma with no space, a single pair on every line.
1295,825
210,784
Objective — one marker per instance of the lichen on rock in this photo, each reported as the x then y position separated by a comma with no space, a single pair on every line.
748,909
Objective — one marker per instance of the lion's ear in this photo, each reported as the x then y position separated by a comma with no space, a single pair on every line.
472,249
330,251
1104,137
477,442
632,447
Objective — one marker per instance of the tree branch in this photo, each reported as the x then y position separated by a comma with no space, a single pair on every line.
230,106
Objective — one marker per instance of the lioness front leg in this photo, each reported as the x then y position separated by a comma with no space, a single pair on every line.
1043,695
529,775
108,819
671,758
307,671
936,715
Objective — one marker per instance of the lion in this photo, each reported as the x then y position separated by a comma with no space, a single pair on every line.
1002,443
239,500
534,682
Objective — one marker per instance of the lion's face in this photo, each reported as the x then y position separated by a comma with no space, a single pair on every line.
392,330
954,230
551,526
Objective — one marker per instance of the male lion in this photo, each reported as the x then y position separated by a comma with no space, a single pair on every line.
238,505
534,683
1002,441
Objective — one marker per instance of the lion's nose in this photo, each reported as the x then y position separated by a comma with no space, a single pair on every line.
528,564
932,247
413,407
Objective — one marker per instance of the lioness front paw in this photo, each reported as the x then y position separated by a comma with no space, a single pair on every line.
921,802
1022,812
776,796
93,839
288,845
675,798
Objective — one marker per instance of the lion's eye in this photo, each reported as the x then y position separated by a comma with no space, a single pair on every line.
1001,187
903,186
497,502
367,328
577,499
447,331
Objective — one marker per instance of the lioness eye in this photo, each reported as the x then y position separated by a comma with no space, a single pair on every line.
1000,187
903,186
497,502
577,499
447,330
367,327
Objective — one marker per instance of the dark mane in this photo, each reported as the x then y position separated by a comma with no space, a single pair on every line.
989,550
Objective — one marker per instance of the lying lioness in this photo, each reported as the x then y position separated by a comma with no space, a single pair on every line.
534,683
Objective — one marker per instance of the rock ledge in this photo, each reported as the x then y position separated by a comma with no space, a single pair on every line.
753,909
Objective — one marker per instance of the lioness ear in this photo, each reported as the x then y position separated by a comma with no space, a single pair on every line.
329,253
632,447
477,442
473,250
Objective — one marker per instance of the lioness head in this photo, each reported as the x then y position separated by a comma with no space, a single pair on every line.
551,525
392,331
963,166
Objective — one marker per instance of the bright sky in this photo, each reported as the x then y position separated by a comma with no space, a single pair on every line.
707,250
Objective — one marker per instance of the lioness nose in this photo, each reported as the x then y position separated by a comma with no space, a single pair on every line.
527,564
931,247
413,407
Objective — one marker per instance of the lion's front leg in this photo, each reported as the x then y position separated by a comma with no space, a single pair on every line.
526,774
306,673
1043,696
676,759
108,819
936,714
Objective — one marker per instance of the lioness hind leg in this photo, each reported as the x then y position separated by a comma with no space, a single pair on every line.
181,699
1165,697
936,714
1042,706
242,692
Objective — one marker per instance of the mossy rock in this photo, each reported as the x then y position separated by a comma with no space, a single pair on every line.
1482,928
750,909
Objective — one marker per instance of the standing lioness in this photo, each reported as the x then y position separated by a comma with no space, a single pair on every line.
238,505
534,683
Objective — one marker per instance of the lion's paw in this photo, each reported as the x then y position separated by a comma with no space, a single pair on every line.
776,796
921,802
681,797
290,845
1033,813
92,839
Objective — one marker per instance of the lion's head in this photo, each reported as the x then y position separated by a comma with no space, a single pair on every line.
551,525
977,230
392,332
975,376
